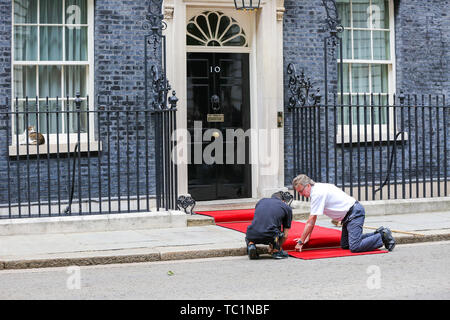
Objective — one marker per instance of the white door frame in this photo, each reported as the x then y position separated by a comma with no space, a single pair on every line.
265,34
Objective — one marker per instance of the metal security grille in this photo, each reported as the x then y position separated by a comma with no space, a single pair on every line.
117,161
402,153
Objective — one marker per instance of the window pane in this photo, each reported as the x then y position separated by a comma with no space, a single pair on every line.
51,43
352,109
360,9
238,41
355,101
47,121
346,45
49,81
25,11
360,100
203,24
379,116
76,12
234,30
25,43
25,120
361,43
77,117
193,42
379,78
50,11
380,14
360,78
343,110
24,81
381,45
195,36
345,76
75,81
195,31
343,7
213,19
379,113
76,44
223,25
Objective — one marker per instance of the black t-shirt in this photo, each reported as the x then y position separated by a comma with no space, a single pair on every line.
270,215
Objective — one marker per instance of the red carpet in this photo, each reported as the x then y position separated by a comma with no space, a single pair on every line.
323,243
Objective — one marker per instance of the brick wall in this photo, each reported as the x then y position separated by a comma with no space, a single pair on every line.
119,73
422,31
5,82
422,65
304,32
422,39
5,51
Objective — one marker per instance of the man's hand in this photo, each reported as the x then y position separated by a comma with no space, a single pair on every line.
309,226
299,247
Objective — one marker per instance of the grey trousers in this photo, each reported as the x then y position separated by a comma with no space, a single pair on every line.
352,232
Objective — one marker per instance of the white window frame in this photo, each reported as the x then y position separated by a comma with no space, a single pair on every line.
386,133
53,137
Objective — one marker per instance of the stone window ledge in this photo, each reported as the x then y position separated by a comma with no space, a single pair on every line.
363,138
52,148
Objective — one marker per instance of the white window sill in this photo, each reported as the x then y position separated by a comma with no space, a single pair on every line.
363,138
44,149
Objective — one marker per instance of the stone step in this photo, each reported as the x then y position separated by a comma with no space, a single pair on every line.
232,204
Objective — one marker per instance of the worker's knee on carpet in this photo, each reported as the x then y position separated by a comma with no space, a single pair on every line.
354,250
365,244
356,247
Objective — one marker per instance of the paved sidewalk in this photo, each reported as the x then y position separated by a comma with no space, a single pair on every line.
204,241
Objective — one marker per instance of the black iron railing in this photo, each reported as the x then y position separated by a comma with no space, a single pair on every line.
115,158
374,146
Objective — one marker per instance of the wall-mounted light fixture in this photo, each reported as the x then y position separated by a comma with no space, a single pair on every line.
247,5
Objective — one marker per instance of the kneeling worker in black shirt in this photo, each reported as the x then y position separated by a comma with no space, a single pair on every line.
270,225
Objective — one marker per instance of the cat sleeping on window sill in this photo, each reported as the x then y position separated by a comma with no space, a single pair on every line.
34,138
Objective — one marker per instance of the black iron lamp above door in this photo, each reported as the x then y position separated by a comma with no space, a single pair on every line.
247,5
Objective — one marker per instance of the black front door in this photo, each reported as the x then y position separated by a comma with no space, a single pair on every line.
217,100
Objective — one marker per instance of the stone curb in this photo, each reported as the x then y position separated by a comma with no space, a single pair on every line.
121,259
175,255
407,239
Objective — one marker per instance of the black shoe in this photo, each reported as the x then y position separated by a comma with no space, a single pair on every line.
284,253
388,239
280,255
252,253
379,230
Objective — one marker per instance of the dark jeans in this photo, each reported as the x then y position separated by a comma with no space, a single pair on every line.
274,241
352,232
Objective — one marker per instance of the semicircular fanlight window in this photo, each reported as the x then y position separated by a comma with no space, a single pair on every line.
214,29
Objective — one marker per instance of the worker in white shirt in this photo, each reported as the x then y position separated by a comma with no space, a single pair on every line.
330,200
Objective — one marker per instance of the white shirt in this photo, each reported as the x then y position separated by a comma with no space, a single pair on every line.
330,200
